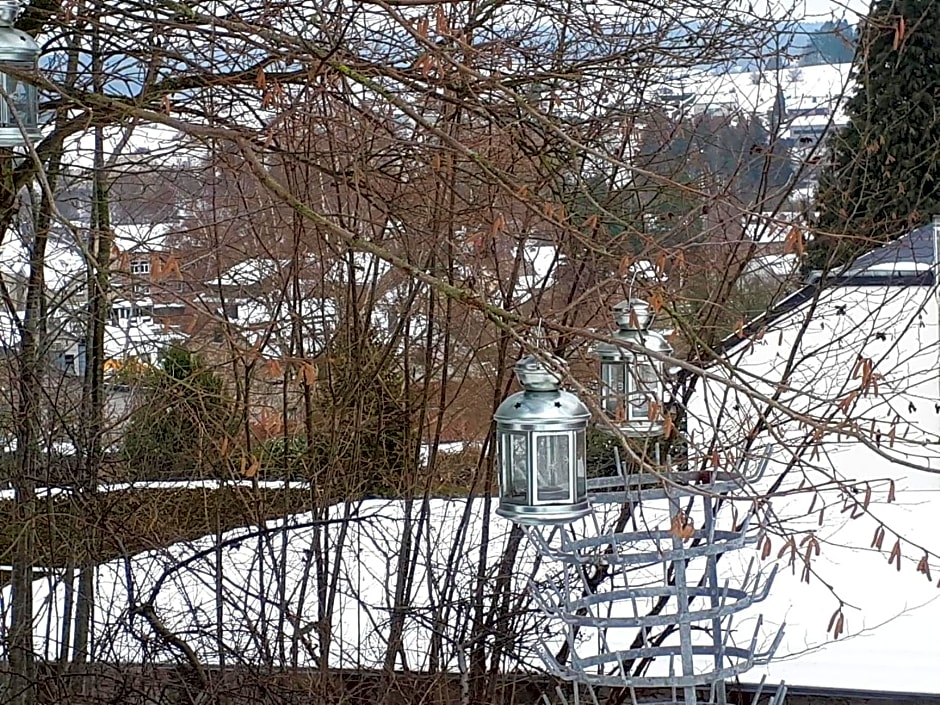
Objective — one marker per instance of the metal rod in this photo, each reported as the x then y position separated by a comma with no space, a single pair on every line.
682,610
712,567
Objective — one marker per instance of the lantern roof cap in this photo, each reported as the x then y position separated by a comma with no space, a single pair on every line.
554,410
535,376
633,317
9,11
15,45
633,314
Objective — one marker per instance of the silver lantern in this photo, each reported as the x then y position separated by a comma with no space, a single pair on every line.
19,106
541,447
632,383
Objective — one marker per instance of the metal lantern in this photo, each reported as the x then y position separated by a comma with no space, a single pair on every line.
632,387
541,446
19,106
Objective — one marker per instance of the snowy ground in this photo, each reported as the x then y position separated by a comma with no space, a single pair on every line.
263,585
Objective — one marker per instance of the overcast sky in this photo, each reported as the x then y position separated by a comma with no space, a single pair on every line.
822,10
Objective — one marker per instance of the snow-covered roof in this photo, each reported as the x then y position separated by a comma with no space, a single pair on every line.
365,265
146,236
150,144
770,227
540,261
776,267
644,271
817,122
884,647
267,322
64,264
808,361
251,272
140,338
911,254
896,327
265,603
907,261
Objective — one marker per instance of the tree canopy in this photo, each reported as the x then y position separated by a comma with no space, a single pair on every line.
882,176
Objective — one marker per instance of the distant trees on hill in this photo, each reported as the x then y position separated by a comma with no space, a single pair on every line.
834,43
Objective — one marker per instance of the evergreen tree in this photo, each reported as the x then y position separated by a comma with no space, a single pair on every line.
176,431
882,177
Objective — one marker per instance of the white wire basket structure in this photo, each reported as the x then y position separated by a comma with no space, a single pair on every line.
644,608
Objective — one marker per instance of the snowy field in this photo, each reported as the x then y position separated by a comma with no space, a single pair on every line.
263,585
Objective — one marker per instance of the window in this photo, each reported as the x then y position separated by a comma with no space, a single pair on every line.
552,462
142,289
23,97
515,464
613,388
580,457
645,387
140,266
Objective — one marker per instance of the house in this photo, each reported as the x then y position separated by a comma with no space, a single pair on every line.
144,273
854,363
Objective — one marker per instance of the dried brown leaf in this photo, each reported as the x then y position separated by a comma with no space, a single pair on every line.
794,243
252,469
668,426
440,21
847,402
423,26
625,263
923,566
895,554
833,618
657,301
878,539
497,225
681,526
308,373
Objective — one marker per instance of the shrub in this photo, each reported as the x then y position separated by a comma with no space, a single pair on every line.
185,414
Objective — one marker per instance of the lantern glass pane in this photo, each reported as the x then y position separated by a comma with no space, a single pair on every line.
614,387
553,465
580,459
515,464
645,386
22,97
